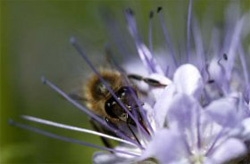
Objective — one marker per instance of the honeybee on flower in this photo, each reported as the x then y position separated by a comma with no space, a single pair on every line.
196,112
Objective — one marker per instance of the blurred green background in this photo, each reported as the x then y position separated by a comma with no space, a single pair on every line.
34,42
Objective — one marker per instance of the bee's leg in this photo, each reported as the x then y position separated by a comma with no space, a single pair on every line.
128,122
101,130
141,121
149,81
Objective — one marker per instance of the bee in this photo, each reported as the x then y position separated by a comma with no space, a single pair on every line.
100,101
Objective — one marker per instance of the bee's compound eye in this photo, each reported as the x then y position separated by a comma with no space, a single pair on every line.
110,107
123,94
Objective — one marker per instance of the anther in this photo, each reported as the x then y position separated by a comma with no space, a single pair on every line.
43,79
210,81
225,56
130,11
159,9
151,14
72,40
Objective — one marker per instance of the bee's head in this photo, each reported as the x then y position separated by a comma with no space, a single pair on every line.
114,110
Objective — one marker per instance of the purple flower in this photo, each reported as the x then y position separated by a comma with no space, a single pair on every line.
201,116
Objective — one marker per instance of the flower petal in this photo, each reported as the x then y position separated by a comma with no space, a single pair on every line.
246,129
183,112
162,105
188,80
107,158
229,150
224,112
161,144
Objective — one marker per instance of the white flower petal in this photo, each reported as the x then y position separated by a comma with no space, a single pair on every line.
224,112
162,105
246,129
188,80
183,112
166,147
229,150
215,71
107,158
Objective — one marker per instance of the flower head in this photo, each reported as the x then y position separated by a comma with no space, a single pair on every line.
192,112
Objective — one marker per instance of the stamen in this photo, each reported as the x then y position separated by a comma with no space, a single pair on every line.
198,44
214,45
150,45
142,111
225,56
188,28
243,62
130,129
198,124
219,135
79,50
88,112
62,138
166,36
209,80
144,53
224,86
233,46
63,126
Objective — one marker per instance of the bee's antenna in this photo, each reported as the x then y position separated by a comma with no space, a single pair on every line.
166,36
62,138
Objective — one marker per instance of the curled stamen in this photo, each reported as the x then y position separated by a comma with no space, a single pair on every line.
209,80
52,135
224,86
